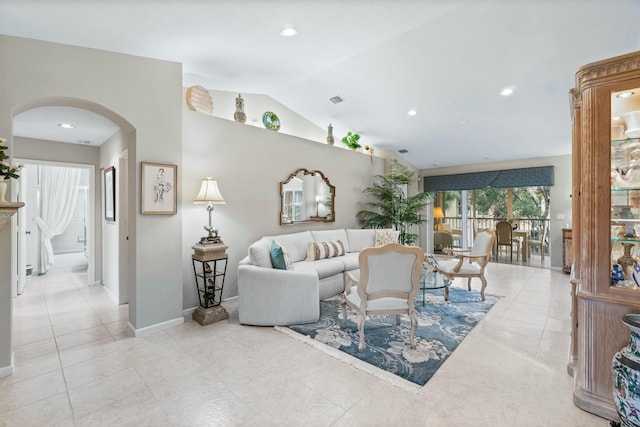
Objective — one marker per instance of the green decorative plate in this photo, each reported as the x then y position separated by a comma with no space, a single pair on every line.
271,121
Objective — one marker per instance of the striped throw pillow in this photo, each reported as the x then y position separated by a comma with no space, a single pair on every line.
320,250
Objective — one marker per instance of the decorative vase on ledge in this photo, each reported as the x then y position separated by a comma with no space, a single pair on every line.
3,191
239,115
330,139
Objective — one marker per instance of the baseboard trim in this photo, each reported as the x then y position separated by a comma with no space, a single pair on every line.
95,283
189,311
111,295
595,404
5,371
154,328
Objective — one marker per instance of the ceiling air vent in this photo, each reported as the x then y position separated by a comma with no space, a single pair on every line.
84,141
403,151
336,99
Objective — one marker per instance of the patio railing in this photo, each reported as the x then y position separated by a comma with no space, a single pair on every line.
533,226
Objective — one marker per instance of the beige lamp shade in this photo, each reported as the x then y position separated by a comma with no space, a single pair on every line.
209,193
437,213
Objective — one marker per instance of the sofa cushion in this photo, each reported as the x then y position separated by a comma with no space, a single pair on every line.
386,236
294,243
259,253
331,235
321,250
360,239
279,257
323,267
350,261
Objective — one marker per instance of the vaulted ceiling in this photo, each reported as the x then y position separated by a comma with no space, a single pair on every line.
447,60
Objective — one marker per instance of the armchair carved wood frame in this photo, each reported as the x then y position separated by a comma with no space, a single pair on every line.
387,283
477,257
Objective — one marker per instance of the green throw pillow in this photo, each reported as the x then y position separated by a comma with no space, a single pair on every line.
277,256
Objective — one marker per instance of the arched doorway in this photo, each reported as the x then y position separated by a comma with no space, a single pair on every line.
106,242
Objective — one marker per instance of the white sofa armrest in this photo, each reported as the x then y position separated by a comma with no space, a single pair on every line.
277,297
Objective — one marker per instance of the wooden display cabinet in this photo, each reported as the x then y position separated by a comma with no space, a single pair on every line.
606,222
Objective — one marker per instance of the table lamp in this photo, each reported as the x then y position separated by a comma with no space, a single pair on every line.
209,194
437,214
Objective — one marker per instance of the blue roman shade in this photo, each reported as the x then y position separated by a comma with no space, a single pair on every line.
510,178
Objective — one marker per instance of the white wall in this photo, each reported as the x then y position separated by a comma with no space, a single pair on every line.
249,162
110,153
136,93
255,105
560,209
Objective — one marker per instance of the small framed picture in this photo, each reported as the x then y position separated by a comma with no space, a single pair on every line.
110,194
159,189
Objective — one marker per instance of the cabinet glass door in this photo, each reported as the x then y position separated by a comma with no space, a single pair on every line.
625,189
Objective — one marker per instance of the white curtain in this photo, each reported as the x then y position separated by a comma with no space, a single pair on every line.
58,196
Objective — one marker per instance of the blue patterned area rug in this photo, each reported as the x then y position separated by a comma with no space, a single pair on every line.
442,326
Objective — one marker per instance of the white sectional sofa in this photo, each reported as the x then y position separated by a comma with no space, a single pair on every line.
270,296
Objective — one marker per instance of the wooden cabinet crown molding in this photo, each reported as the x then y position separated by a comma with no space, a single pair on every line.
591,74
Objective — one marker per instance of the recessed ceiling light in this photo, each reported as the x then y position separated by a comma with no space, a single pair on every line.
66,125
288,32
625,94
464,122
507,91
412,112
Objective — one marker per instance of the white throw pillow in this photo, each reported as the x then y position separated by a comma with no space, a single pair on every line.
386,236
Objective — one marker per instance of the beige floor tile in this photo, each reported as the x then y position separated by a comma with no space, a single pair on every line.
136,411
51,411
98,394
32,335
222,410
75,326
84,336
95,369
118,327
35,349
509,371
30,368
25,392
90,351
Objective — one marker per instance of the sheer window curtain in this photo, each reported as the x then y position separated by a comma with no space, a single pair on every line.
59,188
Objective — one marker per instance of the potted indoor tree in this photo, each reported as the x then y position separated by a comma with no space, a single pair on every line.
390,206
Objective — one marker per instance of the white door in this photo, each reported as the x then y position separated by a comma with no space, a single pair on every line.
22,233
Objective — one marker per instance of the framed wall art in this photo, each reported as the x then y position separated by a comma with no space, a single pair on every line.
159,189
110,194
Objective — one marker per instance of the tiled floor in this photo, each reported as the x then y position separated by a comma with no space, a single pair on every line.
75,365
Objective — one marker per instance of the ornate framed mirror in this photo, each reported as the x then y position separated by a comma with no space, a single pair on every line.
306,196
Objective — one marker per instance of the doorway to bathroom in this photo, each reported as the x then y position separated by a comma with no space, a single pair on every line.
56,226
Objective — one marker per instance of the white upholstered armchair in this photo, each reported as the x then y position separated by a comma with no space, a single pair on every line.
469,263
387,283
